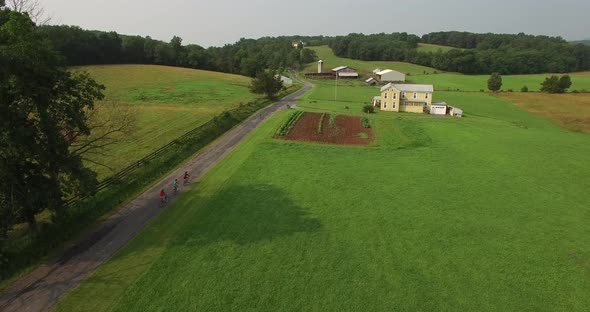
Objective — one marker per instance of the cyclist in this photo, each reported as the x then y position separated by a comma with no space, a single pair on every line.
163,197
185,177
175,185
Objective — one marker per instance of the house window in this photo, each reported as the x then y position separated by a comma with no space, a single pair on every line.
415,95
385,95
393,106
395,96
426,95
385,105
403,95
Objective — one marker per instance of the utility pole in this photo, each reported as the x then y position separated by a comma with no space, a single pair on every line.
336,91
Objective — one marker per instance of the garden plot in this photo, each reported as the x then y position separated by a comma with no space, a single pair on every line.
330,129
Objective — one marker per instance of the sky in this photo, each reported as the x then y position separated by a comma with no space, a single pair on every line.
218,22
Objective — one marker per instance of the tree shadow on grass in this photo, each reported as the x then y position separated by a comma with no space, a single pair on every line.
245,214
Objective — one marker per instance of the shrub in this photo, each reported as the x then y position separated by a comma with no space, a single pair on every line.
365,122
321,124
524,89
510,90
332,120
482,90
346,107
369,109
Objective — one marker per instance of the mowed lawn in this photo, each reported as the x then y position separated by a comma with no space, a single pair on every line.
484,213
460,82
364,67
168,101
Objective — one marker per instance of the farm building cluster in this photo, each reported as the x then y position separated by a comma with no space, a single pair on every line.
396,96
413,98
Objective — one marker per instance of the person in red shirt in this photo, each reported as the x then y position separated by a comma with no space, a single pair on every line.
162,196
185,177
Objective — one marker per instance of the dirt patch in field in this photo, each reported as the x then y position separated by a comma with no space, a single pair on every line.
347,130
571,111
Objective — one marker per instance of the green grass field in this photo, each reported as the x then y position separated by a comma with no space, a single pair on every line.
168,101
427,47
453,82
484,213
444,81
364,67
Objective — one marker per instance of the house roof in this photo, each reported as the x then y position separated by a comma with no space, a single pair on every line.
370,79
409,87
376,98
348,74
339,68
383,72
440,103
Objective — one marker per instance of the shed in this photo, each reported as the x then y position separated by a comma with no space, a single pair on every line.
371,81
287,82
438,108
455,111
391,75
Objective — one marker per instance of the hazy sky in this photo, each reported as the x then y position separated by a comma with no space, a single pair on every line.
216,22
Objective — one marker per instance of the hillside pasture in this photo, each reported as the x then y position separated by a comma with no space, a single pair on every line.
429,47
571,111
168,101
482,213
364,67
460,82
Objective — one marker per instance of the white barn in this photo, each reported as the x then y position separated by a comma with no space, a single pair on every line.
391,75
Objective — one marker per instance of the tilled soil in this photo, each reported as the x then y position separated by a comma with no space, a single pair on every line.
346,130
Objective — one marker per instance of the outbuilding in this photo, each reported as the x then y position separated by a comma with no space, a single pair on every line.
371,81
345,72
438,108
455,111
390,75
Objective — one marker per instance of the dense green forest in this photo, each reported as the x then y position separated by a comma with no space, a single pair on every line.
475,53
246,57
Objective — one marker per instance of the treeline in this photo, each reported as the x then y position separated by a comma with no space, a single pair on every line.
375,47
245,57
474,53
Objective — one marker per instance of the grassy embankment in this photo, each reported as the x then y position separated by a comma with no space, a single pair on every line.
197,95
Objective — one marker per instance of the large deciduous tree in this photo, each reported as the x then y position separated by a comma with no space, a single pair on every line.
495,82
555,84
43,108
267,83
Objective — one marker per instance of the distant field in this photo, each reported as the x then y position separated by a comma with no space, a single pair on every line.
572,111
483,213
454,82
365,67
427,47
169,101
